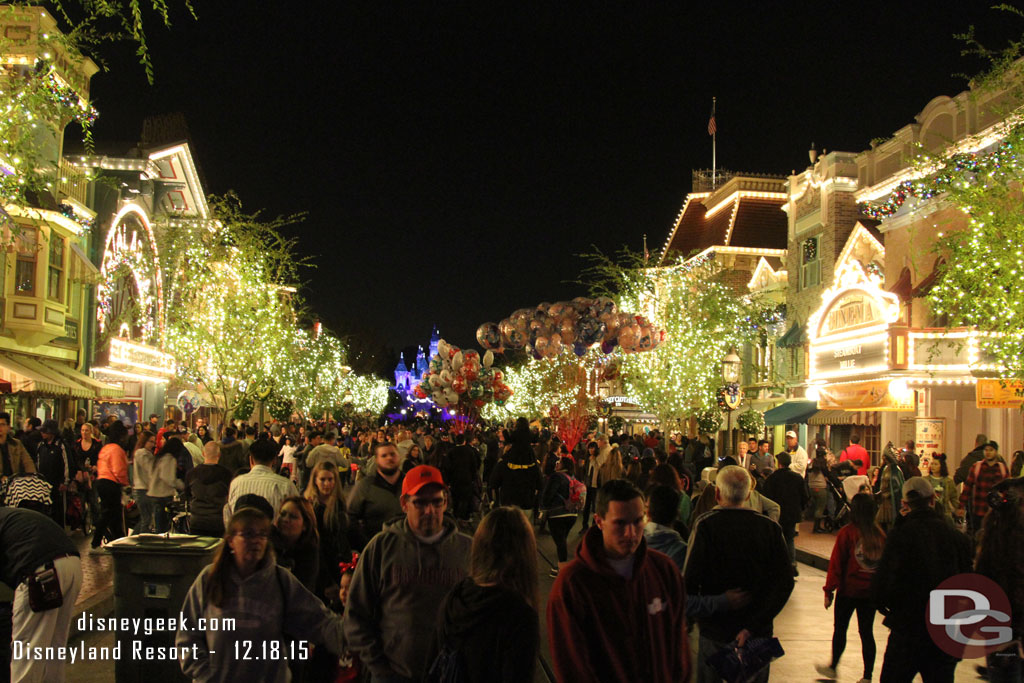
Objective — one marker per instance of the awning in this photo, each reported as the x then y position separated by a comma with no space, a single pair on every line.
796,411
50,377
100,389
864,418
795,336
71,387
27,379
81,269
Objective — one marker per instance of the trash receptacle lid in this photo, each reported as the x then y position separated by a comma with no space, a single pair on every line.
173,543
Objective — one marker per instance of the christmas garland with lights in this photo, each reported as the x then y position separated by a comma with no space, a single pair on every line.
939,183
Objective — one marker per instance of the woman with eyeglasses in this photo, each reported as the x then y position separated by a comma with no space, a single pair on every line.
274,615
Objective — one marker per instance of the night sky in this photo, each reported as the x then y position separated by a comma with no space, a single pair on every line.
454,160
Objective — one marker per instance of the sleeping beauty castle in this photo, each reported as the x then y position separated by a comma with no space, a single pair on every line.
407,377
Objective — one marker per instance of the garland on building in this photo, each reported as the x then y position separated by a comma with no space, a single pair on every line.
979,284
957,170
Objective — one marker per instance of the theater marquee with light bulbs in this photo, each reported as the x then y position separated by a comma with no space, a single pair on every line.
864,356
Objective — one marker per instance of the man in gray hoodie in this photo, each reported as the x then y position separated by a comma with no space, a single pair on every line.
402,577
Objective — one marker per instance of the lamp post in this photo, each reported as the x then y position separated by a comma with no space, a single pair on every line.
731,366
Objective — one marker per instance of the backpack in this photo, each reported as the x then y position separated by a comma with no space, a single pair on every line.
577,495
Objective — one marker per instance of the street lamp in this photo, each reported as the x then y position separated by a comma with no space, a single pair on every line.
731,368
731,398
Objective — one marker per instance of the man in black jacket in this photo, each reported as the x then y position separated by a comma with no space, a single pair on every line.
920,553
732,546
56,468
789,490
968,462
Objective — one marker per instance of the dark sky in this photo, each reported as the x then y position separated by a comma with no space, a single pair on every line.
454,160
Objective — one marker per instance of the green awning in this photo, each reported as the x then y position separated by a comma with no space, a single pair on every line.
795,336
796,411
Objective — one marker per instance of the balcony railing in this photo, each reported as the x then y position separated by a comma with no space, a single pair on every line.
72,183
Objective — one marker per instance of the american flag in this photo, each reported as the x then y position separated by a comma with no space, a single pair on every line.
712,128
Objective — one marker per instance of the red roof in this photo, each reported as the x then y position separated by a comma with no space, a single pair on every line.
759,223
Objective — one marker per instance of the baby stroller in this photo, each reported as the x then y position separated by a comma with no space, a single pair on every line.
29,491
838,507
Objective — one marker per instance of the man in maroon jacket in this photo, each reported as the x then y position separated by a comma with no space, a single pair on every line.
618,611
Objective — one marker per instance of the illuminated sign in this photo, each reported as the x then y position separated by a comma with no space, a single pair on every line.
995,393
868,355
873,395
140,359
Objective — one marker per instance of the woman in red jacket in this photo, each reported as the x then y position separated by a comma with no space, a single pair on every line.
854,559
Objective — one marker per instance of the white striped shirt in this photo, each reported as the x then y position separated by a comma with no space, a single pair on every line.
261,481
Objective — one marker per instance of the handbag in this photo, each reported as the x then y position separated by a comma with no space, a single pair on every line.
737,664
44,589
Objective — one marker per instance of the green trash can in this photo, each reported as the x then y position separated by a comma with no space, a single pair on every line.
152,575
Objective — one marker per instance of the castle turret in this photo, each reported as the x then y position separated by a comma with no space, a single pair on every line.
401,374
435,337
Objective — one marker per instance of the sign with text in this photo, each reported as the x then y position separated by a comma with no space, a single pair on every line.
996,393
873,395
854,309
853,358
930,435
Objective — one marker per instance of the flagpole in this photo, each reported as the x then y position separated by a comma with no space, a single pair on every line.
714,136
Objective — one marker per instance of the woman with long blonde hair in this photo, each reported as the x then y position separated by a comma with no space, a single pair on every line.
489,620
324,493
612,467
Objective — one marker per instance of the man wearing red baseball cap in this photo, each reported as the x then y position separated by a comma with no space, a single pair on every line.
401,579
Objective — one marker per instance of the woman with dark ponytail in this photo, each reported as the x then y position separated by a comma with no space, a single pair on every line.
855,557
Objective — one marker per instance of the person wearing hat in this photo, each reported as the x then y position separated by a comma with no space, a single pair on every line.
56,468
402,578
797,454
920,553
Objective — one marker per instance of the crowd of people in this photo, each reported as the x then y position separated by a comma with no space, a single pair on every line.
409,552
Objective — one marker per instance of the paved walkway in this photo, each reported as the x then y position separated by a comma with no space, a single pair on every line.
804,627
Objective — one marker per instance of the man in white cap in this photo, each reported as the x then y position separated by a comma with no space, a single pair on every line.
797,454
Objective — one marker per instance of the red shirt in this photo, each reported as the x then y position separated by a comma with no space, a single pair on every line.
856,452
848,570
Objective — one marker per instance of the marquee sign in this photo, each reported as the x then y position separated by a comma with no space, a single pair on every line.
849,334
874,395
130,291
